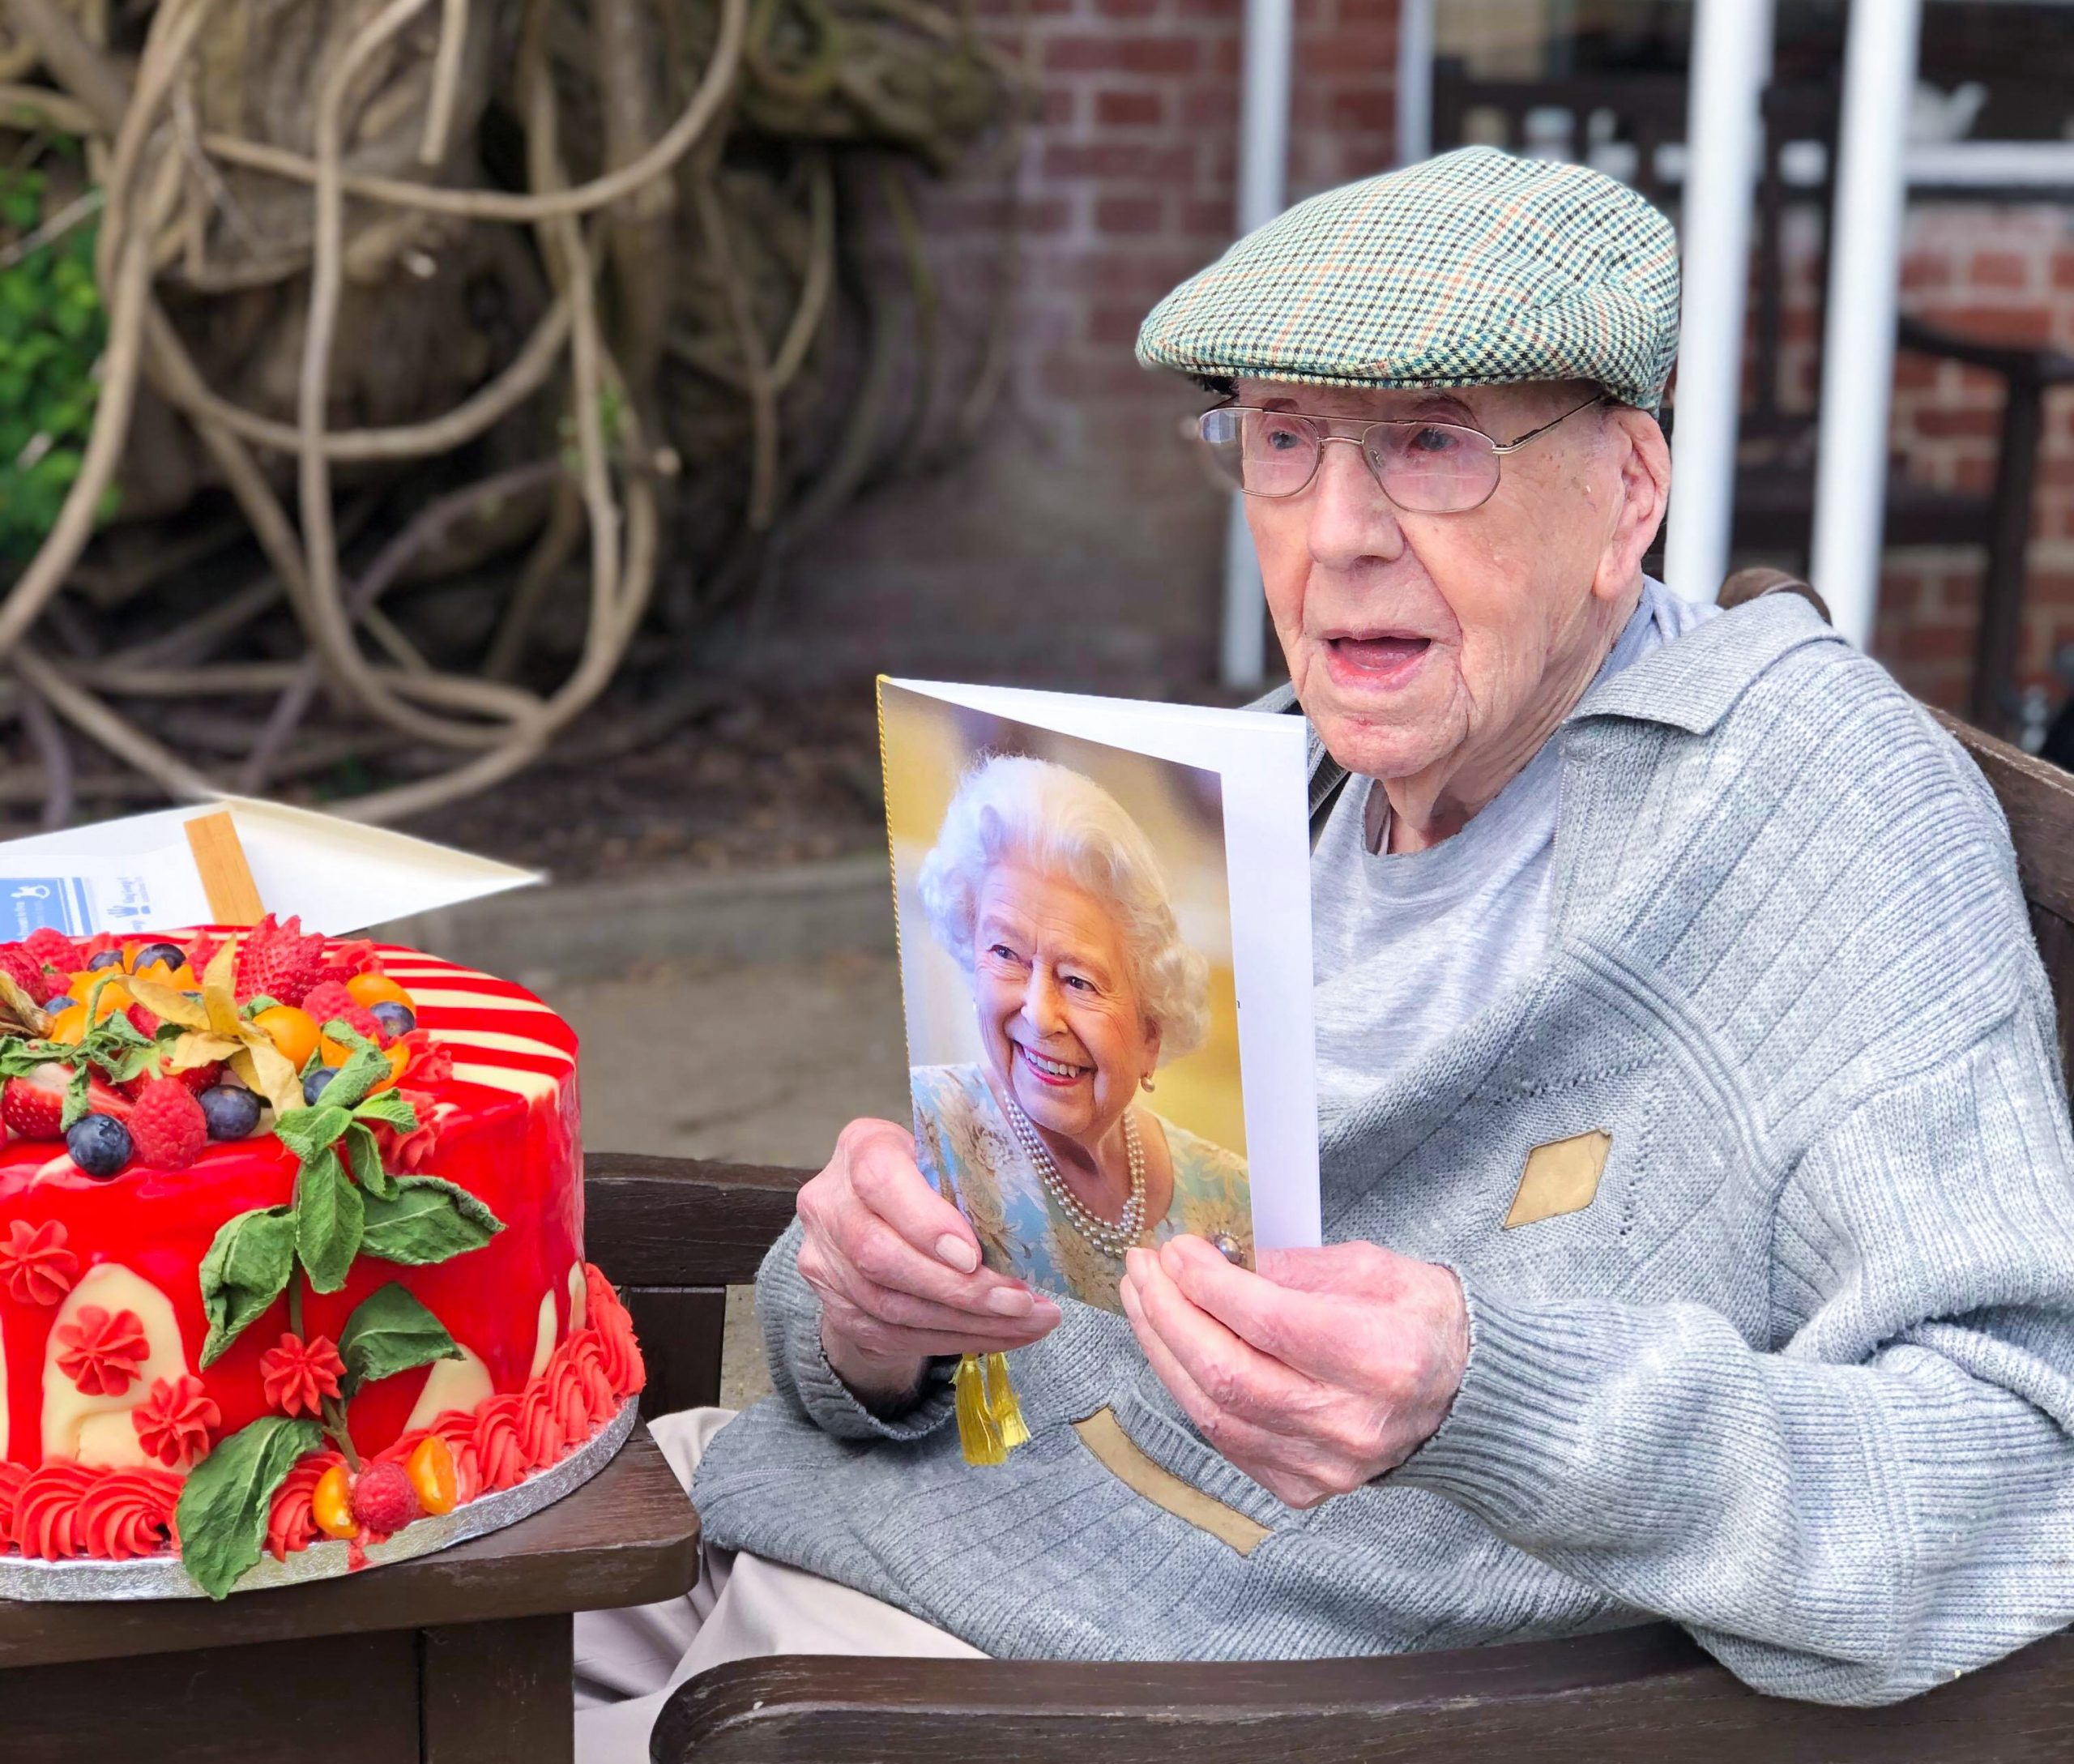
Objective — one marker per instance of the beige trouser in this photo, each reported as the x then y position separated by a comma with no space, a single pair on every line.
628,1662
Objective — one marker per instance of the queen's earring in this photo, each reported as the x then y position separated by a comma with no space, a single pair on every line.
1146,1082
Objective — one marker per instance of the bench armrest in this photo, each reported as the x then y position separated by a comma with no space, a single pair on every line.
1632,1696
681,1222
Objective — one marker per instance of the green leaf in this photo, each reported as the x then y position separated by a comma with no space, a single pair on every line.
429,1221
19,1058
391,1332
364,1156
224,1503
366,1066
253,1006
328,1221
391,1107
308,1131
75,1097
243,1272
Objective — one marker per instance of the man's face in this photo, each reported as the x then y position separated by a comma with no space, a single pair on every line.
1423,640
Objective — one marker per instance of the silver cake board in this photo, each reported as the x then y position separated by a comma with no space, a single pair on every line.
83,1580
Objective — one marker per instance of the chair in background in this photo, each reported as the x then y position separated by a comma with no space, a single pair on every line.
1633,126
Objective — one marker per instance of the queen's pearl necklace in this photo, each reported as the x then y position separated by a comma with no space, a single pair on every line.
1111,1240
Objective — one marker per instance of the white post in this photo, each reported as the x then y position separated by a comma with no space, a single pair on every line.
1724,138
1858,352
1414,80
1263,190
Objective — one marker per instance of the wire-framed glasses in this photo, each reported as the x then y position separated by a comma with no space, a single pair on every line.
1425,468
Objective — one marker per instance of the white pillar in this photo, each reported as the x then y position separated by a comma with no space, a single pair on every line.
1858,352
1724,136
1263,190
1414,80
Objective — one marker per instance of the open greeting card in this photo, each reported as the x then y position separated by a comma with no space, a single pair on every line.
1104,922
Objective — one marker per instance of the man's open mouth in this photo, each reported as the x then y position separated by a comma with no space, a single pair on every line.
1380,651
1052,1071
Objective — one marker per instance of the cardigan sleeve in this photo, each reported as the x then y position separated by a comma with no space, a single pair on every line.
800,1372
1881,1496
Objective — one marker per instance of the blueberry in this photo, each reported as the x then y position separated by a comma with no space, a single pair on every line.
99,1144
398,1019
313,1086
231,1111
107,958
171,954
62,1001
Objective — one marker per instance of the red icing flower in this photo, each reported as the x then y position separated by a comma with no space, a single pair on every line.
430,1061
500,1456
47,1511
403,1152
124,1514
615,1328
541,1436
297,1375
291,1525
174,1422
101,1353
356,956
36,1265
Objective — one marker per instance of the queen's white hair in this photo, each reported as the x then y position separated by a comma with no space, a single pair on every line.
1009,808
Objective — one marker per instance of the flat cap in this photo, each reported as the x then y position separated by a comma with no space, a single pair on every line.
1476,268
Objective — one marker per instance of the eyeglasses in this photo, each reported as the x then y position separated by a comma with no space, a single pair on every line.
1423,467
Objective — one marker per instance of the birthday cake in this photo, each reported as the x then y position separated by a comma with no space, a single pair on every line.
291,1247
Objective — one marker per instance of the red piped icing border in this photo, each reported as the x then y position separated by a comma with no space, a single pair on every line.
60,1511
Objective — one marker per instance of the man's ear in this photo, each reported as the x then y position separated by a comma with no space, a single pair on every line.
1643,458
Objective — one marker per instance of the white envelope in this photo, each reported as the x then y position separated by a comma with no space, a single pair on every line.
139,873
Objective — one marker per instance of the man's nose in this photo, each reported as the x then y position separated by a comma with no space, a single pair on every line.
1351,518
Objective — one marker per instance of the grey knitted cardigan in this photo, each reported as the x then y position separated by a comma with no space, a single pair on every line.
1801,1377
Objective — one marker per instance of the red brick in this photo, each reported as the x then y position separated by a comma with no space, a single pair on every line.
1207,217
2000,269
1127,215
1126,9
1923,271
1122,54
1211,107
1121,160
1375,110
1112,326
1961,423
1139,107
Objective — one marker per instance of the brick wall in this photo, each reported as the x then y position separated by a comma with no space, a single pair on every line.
1077,541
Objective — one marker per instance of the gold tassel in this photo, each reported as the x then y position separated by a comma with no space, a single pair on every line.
990,1423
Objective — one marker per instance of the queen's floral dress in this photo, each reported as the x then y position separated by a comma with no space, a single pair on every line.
970,1155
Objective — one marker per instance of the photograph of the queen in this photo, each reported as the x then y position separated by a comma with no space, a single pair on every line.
1051,900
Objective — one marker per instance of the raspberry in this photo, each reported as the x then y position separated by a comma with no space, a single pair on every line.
143,1020
167,1126
384,1501
327,999
33,1105
53,946
279,962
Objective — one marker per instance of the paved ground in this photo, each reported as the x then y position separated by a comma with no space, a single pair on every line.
762,1064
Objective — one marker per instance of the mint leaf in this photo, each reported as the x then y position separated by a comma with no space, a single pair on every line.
19,1058
243,1272
252,1007
366,1066
429,1221
364,1156
223,1505
308,1131
391,1107
391,1332
75,1097
328,1220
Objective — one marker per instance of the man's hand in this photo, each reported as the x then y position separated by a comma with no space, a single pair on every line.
898,1271
1322,1371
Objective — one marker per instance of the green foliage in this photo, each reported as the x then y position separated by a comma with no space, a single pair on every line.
52,332
224,1504
391,1332
244,1271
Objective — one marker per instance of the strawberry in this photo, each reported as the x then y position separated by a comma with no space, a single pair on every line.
33,1105
278,961
143,1020
167,1126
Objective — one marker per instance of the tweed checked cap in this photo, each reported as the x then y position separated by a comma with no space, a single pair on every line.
1475,268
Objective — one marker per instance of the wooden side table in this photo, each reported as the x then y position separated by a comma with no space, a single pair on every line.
462,1657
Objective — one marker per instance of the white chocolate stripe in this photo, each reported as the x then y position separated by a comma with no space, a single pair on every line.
521,1080
439,997
496,1041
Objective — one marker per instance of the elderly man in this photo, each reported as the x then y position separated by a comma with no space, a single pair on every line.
1698,1190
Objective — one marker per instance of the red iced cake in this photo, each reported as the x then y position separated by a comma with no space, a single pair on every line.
291,1245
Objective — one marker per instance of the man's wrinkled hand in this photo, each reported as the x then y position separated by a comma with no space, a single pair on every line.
1314,1375
897,1271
